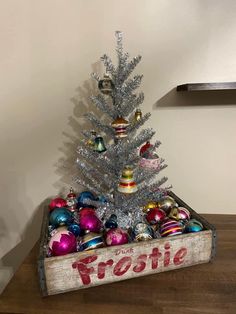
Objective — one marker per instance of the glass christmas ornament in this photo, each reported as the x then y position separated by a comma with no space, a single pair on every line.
143,232
155,215
90,222
116,236
60,217
120,125
193,225
149,205
91,140
179,213
99,145
57,202
62,242
166,203
170,227
71,201
86,211
91,241
106,85
127,184
144,150
138,115
82,199
75,229
111,222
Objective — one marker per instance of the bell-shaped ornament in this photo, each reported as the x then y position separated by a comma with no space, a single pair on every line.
127,184
99,145
91,141
106,85
138,115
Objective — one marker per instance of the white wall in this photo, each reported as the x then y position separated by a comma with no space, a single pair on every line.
49,48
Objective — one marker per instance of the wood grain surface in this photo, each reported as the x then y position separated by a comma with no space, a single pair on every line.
202,289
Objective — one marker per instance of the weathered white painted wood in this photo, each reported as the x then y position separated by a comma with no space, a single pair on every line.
101,266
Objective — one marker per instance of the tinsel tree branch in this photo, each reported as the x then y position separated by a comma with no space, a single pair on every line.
104,163
131,103
146,175
135,126
87,185
98,124
101,104
144,194
108,65
93,174
130,67
142,137
131,85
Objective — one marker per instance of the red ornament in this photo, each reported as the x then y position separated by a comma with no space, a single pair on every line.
155,216
144,150
57,203
86,211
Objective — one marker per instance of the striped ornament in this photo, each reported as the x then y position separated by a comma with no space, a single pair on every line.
179,213
171,227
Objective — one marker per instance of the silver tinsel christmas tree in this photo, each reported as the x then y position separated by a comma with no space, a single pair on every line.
102,171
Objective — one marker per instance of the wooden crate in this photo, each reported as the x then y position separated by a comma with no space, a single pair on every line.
105,265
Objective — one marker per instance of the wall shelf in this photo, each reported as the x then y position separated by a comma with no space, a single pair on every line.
189,87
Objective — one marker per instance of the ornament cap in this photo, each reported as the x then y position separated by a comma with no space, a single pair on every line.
119,122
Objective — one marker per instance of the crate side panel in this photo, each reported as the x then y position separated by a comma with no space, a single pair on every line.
96,267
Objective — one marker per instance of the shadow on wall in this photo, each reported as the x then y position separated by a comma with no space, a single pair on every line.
196,99
66,166
11,261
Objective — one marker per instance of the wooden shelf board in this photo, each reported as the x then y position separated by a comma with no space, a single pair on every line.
188,87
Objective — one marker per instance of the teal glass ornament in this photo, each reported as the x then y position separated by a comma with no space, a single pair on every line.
193,225
60,217
99,145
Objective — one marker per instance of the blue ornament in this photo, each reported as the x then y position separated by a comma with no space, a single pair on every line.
60,217
111,222
82,196
91,241
75,229
193,225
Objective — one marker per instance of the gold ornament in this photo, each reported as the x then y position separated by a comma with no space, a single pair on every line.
167,203
90,142
120,125
127,184
138,115
150,205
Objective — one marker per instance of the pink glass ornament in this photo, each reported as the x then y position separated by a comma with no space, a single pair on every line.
179,213
155,216
116,236
90,222
87,211
62,242
170,227
57,203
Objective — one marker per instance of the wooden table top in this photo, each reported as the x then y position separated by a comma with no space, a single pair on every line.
202,289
